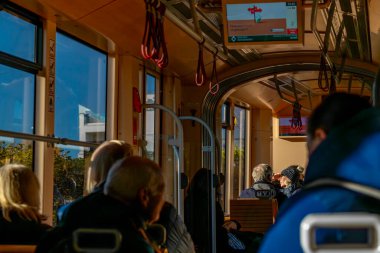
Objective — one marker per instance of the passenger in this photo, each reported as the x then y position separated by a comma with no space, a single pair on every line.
21,222
197,219
290,181
197,209
101,161
343,141
262,186
132,199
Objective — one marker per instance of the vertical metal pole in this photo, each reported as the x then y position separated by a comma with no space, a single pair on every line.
179,144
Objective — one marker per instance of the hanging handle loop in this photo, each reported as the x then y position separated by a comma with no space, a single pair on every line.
214,88
296,120
200,75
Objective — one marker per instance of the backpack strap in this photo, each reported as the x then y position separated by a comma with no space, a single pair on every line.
359,188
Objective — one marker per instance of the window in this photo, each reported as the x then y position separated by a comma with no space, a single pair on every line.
225,143
80,101
17,90
21,38
150,117
238,173
80,112
20,45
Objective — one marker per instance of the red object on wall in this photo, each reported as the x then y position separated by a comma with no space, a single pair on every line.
136,100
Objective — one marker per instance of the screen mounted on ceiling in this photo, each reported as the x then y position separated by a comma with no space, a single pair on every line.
249,22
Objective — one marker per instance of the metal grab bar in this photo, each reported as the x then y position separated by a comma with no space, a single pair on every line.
178,202
49,139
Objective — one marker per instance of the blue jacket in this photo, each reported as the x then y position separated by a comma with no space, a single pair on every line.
350,153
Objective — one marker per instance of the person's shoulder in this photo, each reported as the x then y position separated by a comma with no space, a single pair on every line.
247,193
83,204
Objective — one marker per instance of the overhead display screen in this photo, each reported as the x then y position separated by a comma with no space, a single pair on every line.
260,22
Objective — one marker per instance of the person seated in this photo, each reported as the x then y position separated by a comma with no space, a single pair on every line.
20,222
289,181
131,200
197,215
343,136
262,186
101,161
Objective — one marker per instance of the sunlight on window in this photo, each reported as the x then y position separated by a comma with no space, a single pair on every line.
238,173
20,36
149,131
17,90
80,113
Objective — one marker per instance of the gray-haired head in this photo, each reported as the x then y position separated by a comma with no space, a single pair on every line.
262,172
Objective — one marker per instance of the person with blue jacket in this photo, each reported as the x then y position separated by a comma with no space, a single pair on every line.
343,141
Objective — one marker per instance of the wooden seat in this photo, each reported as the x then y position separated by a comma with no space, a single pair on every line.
255,215
17,248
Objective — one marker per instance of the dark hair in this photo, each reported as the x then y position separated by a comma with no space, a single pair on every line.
334,110
200,182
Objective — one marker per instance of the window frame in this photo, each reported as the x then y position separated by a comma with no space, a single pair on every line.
17,62
71,36
157,113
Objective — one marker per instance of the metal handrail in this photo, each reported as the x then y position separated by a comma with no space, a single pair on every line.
179,143
48,139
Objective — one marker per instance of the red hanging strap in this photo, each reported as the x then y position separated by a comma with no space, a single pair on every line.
149,30
161,59
297,120
200,75
153,45
214,88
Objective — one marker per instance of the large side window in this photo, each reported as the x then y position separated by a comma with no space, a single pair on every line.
225,121
238,173
20,47
150,129
80,112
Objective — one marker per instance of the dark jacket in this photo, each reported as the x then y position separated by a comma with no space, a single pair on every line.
349,153
198,222
291,190
178,239
260,189
99,211
20,231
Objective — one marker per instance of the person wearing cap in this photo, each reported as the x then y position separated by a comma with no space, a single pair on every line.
289,181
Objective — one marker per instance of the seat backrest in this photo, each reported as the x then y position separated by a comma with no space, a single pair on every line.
91,240
5,248
340,233
255,215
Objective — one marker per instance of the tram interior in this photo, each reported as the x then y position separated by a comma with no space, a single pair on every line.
262,82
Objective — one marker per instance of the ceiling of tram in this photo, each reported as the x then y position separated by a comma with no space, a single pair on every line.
110,17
